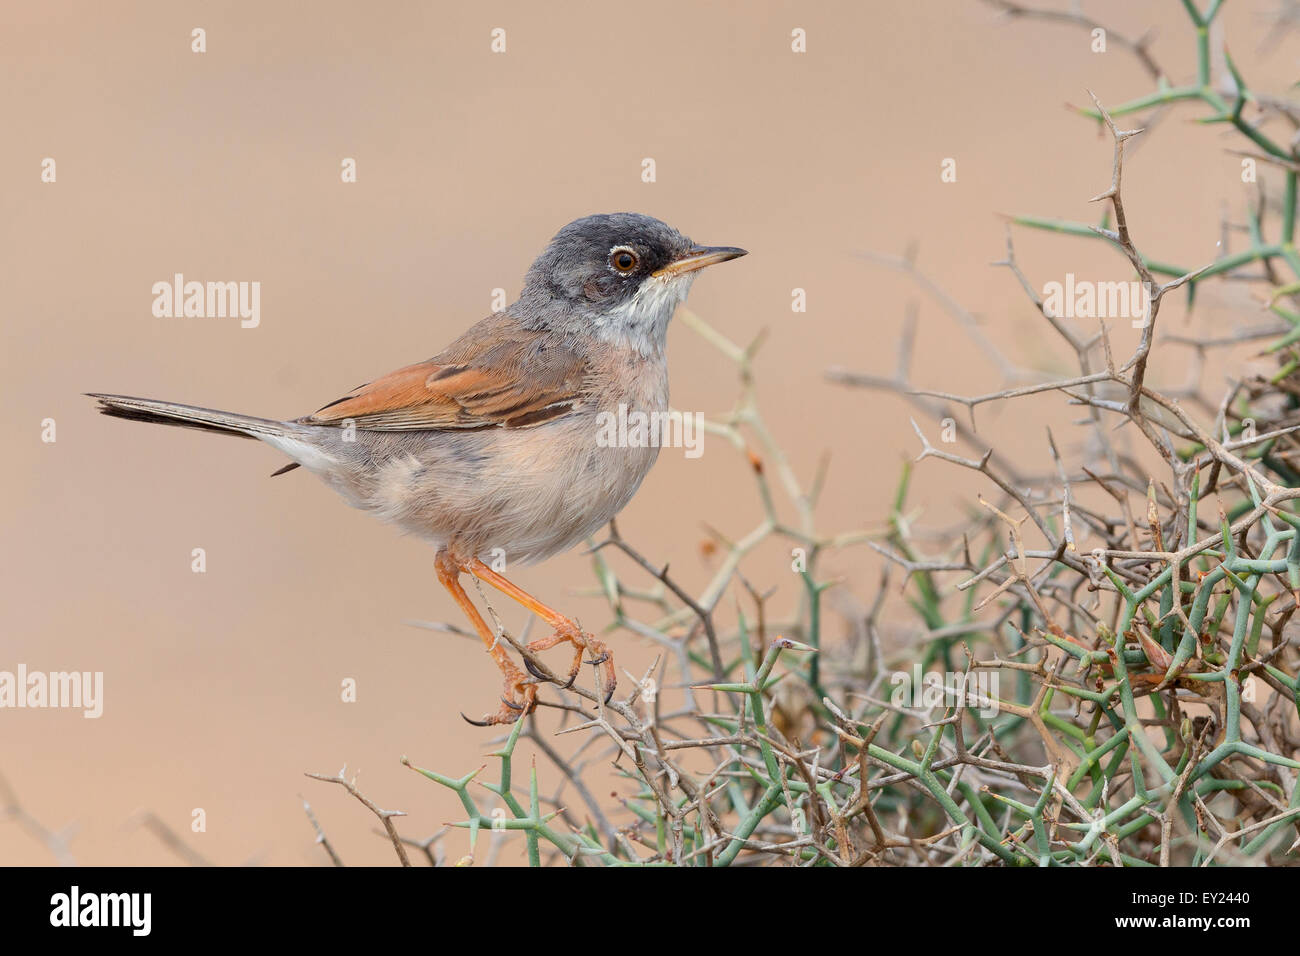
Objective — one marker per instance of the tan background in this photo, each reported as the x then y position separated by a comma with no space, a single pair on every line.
222,688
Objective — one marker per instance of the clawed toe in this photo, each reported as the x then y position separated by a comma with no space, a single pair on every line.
575,667
517,688
537,672
611,682
601,657
584,643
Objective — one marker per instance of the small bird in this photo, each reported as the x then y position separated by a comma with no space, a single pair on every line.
493,443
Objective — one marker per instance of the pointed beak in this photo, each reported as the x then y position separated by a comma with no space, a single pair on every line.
697,258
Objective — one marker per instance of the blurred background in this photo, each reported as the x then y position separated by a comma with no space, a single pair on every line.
222,688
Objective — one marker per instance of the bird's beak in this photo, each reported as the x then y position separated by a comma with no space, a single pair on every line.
697,258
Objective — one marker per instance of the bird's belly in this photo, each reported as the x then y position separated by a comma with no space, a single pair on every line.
516,495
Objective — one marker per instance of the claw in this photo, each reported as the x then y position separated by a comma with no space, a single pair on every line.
610,695
511,704
476,723
532,669
583,643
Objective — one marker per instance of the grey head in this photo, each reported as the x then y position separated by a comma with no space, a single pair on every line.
616,276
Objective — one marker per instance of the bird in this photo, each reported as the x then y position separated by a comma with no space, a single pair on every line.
490,448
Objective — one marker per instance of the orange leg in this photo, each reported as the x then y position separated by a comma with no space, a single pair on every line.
566,631
517,685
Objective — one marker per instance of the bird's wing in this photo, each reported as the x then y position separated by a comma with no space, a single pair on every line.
496,375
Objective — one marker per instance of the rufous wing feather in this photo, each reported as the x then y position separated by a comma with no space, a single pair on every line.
498,375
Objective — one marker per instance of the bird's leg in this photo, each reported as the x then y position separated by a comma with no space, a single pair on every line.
566,631
520,695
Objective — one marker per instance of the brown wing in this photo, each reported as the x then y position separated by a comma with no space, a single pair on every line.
496,375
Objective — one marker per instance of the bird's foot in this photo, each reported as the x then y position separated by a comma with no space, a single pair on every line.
582,642
517,699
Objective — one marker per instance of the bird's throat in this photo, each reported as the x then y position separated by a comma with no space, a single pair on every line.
641,323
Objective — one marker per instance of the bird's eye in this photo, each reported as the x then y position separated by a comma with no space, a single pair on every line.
623,259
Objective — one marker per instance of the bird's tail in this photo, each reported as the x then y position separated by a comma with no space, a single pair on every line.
187,416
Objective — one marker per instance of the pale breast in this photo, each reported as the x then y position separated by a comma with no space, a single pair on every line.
524,493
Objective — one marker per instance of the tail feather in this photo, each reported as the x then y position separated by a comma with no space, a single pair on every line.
186,416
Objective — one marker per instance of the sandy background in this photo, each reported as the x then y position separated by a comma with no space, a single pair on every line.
223,687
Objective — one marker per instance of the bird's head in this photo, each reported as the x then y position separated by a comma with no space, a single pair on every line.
617,276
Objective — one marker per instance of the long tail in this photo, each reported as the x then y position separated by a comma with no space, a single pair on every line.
187,416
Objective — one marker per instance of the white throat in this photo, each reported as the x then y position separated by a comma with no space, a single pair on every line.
641,323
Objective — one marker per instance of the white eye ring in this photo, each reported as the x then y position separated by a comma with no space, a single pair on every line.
618,250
